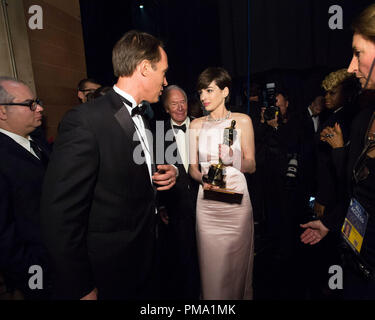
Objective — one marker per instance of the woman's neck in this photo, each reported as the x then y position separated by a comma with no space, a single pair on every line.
219,113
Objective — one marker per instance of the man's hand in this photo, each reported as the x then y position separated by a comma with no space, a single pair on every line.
315,231
93,295
262,114
165,177
274,122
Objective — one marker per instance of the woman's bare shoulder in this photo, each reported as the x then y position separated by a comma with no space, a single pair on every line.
197,123
242,118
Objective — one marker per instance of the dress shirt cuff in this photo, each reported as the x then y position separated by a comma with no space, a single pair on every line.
177,171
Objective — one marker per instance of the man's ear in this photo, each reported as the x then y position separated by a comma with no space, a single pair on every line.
143,67
3,113
81,95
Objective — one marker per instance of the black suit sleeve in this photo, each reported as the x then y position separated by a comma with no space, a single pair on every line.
67,194
15,255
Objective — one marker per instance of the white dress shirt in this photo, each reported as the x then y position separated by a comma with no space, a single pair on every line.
139,127
182,140
315,120
22,141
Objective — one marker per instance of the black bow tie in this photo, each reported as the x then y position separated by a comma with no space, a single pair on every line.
140,109
314,116
183,127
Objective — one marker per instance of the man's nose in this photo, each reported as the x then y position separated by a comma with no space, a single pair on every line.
180,106
165,83
39,108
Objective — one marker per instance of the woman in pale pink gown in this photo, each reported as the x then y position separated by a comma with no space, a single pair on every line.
224,230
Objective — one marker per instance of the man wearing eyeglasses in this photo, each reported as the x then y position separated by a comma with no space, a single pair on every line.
86,86
22,166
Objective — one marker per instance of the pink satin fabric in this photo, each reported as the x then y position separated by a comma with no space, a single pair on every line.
224,231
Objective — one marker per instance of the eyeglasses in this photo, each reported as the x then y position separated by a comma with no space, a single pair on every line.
87,90
32,104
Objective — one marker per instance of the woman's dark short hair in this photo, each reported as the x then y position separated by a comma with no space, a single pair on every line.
131,49
217,74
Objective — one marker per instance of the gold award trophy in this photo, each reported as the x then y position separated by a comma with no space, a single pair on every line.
216,175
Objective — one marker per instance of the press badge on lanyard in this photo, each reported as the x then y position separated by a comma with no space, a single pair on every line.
354,227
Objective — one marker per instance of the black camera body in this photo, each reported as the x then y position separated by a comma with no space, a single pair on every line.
271,109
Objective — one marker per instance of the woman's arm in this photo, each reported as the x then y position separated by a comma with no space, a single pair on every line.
194,129
247,144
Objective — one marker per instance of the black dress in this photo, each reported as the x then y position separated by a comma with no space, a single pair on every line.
356,286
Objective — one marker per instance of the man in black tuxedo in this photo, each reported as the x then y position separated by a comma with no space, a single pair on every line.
86,87
309,125
179,254
23,161
99,201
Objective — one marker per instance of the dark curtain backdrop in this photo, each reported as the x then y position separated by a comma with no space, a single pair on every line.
294,34
287,41
190,31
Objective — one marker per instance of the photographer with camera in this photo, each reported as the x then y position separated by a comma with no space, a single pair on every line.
277,156
277,139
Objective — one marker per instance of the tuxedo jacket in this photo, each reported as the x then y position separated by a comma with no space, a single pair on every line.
308,152
98,205
21,178
180,260
182,197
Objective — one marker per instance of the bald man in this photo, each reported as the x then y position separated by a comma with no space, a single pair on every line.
24,157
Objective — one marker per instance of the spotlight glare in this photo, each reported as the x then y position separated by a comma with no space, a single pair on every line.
141,6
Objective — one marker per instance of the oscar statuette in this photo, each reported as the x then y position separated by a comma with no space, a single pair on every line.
216,175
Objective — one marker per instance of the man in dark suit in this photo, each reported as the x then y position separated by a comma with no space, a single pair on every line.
179,253
86,87
309,126
99,201
22,167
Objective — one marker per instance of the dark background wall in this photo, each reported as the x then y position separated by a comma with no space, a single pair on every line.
287,41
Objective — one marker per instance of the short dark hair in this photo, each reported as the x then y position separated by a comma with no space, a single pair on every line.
101,91
83,82
131,49
283,92
217,74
